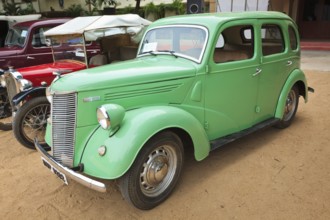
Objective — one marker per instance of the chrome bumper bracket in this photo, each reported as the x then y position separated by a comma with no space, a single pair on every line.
86,181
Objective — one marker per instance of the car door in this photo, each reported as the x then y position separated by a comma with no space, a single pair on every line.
231,86
275,66
38,52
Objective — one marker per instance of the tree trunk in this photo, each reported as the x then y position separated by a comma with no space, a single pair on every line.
137,6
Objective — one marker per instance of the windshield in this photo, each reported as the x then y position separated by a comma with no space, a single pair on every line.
16,36
184,41
68,48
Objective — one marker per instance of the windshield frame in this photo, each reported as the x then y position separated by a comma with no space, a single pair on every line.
177,54
74,48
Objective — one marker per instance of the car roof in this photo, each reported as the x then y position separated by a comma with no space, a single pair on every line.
214,19
42,22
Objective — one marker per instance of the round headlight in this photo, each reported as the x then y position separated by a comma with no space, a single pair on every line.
25,84
2,81
103,118
49,95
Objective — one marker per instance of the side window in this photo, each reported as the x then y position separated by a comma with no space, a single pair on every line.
39,39
233,44
293,38
272,39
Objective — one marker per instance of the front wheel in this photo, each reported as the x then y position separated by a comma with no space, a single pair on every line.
155,172
290,109
30,121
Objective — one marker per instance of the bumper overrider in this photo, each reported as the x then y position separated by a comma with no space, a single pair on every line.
63,172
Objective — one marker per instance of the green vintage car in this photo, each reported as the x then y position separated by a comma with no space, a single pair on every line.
199,81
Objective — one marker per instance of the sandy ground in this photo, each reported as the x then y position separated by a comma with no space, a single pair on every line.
272,174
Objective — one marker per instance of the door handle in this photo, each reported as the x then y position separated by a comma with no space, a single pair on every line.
289,63
258,71
30,58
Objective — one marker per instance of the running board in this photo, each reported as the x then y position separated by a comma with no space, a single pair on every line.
232,137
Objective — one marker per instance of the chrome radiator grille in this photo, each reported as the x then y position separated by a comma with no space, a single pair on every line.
11,86
63,127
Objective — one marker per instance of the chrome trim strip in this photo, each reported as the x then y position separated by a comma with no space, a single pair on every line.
83,180
61,92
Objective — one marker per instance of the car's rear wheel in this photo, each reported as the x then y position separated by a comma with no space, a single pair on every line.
155,172
30,121
290,108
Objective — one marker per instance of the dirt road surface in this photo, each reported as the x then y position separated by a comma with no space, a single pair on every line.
272,174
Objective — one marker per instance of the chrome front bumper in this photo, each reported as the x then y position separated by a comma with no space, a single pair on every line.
88,182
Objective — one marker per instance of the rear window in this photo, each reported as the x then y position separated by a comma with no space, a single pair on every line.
293,38
272,39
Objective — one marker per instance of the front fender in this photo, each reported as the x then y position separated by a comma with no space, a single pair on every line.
297,76
35,91
136,129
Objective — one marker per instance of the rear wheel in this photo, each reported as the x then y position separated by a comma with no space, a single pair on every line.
30,121
5,111
290,109
155,172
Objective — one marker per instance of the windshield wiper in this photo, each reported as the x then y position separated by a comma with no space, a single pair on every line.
169,51
150,52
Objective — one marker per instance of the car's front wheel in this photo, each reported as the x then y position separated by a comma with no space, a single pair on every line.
155,172
30,121
290,109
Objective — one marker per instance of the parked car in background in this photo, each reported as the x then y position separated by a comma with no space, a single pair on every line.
8,21
76,45
25,44
199,81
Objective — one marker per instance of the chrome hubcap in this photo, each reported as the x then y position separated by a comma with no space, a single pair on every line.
290,105
158,170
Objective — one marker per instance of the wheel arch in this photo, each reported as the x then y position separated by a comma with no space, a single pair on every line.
296,78
35,92
138,127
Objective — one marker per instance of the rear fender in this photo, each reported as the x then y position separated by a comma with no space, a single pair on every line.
296,77
137,127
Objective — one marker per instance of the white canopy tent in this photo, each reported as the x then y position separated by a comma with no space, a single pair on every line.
93,27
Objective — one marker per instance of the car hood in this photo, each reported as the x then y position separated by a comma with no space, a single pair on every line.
44,72
133,72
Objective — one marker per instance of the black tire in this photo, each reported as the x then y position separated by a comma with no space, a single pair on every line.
290,110
141,185
5,111
30,121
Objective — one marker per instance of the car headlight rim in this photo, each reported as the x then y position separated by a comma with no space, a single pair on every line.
24,84
103,118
